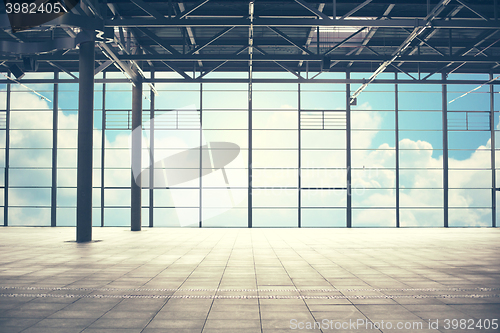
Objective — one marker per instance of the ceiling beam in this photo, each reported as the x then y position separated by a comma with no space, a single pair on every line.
103,66
192,9
424,42
270,57
300,22
392,65
285,37
62,69
123,66
288,69
358,7
343,42
400,50
257,80
214,38
372,31
463,3
310,36
482,38
222,63
313,10
432,32
189,31
168,64
159,41
148,9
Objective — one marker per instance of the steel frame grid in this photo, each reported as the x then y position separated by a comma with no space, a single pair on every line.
445,148
211,26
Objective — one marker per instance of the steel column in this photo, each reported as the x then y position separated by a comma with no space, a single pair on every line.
348,151
493,162
136,159
250,151
200,208
85,129
103,144
396,110
151,153
55,114
299,145
7,158
445,149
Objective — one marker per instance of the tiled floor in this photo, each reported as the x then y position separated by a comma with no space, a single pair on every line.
248,280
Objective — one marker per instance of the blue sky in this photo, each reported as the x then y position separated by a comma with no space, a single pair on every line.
276,163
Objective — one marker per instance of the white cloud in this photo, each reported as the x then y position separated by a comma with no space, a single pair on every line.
416,153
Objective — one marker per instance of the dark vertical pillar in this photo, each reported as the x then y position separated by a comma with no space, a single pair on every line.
136,159
493,161
55,114
396,110
151,154
85,128
103,143
445,149
250,126
7,159
348,149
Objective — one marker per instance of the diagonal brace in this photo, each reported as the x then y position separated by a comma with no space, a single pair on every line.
217,36
313,10
189,11
285,37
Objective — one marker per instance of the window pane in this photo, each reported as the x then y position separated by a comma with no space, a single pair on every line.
421,198
272,218
323,218
176,217
28,216
219,217
323,159
275,177
324,198
323,139
324,178
275,198
421,217
373,217
469,217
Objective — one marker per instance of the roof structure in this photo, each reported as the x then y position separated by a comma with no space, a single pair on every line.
408,36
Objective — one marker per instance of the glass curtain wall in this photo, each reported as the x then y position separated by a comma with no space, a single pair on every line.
469,154
416,149
420,131
323,163
30,130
